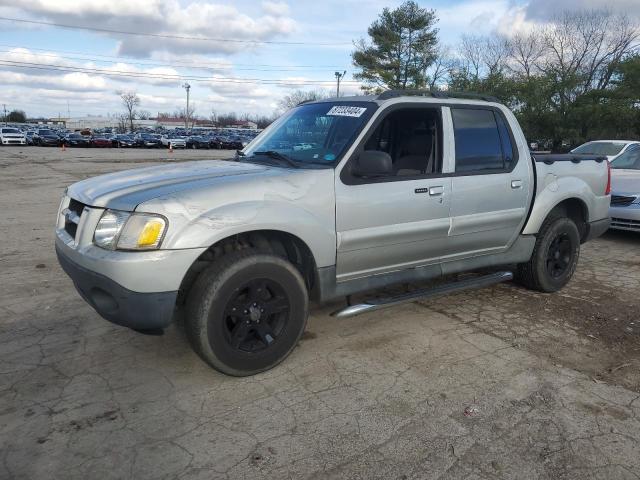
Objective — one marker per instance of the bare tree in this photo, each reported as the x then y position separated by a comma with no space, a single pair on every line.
440,69
130,100
526,52
586,46
188,116
122,124
298,96
495,51
144,115
470,51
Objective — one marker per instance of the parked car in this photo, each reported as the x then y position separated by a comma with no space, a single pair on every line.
76,140
46,138
231,143
29,137
147,140
173,141
100,142
123,141
12,136
195,142
625,190
382,199
215,142
610,148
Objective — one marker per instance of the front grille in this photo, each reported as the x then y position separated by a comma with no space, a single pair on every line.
622,200
72,216
625,223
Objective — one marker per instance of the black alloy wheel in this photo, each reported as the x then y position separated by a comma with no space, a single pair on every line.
256,315
559,255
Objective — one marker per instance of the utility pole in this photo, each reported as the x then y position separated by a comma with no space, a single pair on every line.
339,76
187,87
4,107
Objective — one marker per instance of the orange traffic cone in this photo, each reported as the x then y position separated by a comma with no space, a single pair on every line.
170,148
63,147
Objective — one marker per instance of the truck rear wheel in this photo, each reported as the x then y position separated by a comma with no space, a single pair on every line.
246,312
554,258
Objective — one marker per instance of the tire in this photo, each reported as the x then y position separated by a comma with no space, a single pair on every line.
249,341
555,256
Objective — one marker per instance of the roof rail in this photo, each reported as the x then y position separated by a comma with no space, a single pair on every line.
436,94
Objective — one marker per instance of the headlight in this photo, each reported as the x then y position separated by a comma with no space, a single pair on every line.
129,231
109,228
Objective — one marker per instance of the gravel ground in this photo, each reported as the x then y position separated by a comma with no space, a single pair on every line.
494,383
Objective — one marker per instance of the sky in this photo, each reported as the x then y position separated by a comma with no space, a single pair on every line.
238,56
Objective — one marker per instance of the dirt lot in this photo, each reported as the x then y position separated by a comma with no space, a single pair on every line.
495,383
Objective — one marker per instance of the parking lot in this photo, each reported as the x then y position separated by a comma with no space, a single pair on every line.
495,383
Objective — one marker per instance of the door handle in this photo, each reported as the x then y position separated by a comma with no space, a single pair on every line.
433,191
516,184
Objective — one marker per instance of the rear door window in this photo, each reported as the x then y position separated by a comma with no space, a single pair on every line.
482,140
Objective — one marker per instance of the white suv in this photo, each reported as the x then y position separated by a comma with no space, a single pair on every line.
12,136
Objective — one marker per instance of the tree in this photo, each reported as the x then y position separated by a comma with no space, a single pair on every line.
189,117
296,97
439,72
130,100
144,115
16,116
568,81
403,46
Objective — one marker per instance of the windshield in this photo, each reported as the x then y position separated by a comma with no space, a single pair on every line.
629,160
600,148
10,130
315,133
45,132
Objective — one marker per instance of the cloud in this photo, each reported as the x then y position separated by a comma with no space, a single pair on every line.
542,10
69,82
196,19
276,9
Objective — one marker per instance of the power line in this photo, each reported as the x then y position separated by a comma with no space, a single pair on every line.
197,66
137,61
173,37
158,76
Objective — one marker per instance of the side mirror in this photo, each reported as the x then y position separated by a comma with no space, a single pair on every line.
372,163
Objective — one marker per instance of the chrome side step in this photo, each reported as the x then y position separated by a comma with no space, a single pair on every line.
379,303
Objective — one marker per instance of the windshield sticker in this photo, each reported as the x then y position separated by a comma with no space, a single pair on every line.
346,111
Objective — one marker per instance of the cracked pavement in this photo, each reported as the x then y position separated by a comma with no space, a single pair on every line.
549,383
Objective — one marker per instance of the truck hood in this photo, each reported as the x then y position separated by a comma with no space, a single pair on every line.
625,181
126,190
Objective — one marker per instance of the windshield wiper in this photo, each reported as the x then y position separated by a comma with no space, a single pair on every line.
278,156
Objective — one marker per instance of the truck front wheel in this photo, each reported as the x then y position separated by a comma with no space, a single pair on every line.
554,258
246,312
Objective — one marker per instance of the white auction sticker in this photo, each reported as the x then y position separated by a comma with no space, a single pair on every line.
346,111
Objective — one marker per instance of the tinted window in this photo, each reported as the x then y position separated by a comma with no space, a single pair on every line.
599,148
629,160
478,144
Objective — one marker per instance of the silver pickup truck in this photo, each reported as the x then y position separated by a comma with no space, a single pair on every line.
336,197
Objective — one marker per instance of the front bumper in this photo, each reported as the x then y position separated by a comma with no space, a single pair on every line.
134,289
626,218
14,141
139,311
